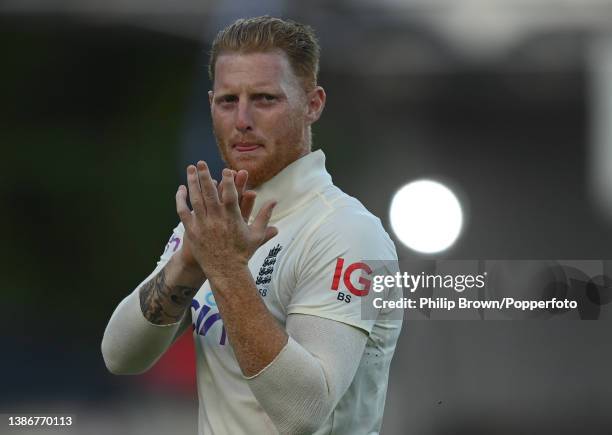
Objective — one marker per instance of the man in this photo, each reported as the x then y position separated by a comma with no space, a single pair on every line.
281,342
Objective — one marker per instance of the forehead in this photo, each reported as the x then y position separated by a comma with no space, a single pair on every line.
270,68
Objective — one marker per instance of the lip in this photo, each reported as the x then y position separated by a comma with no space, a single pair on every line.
245,147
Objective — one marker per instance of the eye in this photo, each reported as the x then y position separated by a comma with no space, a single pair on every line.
228,99
265,97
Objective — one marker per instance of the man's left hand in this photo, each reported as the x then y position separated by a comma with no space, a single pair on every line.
220,238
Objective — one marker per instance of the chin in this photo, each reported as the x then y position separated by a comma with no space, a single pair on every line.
247,163
251,165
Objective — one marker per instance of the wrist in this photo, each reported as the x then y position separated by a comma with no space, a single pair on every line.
223,277
179,271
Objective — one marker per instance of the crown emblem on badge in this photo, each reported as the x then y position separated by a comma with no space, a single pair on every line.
265,272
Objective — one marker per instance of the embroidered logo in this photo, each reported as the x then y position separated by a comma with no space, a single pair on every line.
265,272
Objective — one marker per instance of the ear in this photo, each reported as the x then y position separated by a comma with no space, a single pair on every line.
210,97
315,104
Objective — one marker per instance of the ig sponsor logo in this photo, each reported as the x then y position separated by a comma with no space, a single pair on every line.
346,275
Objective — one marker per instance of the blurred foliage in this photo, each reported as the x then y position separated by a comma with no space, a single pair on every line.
90,125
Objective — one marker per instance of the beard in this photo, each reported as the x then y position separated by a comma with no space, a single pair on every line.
262,168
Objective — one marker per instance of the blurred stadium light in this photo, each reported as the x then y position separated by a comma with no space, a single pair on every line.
483,27
426,216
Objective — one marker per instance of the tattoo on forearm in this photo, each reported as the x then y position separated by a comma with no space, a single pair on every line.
162,304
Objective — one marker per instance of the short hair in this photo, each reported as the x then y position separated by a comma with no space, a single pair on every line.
265,33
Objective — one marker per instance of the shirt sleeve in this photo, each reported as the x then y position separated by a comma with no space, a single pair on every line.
339,259
303,384
131,344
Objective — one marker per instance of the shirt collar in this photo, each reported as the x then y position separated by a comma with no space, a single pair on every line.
294,185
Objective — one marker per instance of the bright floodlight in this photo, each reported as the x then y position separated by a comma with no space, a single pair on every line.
426,216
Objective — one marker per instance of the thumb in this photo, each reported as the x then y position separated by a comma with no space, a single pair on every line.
263,217
270,233
246,204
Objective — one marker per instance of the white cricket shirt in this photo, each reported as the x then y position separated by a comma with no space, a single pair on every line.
316,266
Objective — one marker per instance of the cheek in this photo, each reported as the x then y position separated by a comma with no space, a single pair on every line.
283,131
221,122
295,126
288,125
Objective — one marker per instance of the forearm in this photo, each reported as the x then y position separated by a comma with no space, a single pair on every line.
147,321
165,298
293,390
303,385
256,337
131,344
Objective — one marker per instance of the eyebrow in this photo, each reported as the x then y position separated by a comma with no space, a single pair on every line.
262,86
220,96
223,93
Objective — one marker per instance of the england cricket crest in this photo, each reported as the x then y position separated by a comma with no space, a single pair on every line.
265,272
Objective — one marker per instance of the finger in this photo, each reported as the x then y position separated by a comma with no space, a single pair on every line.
270,233
230,194
241,180
209,191
219,187
182,209
263,217
247,203
195,195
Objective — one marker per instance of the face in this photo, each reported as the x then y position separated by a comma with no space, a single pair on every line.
261,114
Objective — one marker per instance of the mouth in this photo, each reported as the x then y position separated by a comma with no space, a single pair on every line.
245,147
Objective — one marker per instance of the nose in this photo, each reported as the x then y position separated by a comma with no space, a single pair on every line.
244,120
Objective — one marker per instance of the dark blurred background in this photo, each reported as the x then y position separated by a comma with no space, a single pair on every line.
102,105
